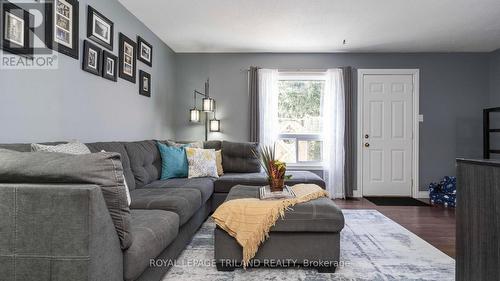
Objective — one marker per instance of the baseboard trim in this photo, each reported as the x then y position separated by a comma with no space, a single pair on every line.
356,194
421,194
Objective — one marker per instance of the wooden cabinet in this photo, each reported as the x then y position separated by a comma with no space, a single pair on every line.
478,220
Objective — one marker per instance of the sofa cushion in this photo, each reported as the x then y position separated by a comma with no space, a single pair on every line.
239,157
102,169
184,202
117,147
228,180
204,185
319,215
212,144
24,147
152,232
145,161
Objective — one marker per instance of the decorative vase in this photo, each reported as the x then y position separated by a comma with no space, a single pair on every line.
276,184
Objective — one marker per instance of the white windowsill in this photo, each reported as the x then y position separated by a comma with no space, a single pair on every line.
304,167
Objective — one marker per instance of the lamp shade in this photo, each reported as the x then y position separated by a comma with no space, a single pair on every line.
194,115
208,104
214,125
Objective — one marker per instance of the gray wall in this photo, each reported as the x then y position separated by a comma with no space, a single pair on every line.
68,103
454,89
494,100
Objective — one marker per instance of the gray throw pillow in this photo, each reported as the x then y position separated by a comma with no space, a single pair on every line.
103,169
70,148
192,144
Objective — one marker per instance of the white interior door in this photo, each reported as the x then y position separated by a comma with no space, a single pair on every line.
387,133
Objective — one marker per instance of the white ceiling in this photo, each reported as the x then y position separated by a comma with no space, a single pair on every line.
322,25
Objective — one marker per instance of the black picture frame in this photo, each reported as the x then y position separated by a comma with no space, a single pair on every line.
93,16
127,61
109,59
92,61
144,83
21,45
68,12
143,45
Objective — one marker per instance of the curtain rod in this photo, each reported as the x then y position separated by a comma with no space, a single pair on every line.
296,69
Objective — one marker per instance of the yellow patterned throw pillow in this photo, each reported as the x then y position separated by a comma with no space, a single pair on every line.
218,162
201,163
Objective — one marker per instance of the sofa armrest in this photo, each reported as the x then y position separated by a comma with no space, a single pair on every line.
57,232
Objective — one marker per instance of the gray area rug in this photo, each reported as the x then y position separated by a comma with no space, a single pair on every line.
373,247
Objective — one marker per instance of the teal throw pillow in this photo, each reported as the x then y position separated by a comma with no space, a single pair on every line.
174,163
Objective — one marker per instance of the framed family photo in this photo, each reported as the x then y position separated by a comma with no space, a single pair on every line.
109,64
99,28
91,58
128,59
62,30
145,53
16,35
144,83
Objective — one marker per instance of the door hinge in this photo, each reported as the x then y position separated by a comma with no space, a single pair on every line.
412,183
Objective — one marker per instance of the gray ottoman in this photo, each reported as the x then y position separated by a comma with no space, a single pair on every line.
308,236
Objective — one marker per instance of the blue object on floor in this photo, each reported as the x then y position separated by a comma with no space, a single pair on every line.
444,192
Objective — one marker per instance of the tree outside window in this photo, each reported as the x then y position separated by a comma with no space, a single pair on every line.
300,120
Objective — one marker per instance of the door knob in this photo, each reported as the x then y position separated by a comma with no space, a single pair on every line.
367,136
367,144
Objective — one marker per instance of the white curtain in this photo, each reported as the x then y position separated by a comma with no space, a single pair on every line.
268,106
333,133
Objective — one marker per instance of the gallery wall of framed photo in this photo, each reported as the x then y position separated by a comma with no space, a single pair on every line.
67,102
100,30
62,34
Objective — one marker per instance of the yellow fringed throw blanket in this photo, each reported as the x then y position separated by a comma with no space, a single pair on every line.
249,220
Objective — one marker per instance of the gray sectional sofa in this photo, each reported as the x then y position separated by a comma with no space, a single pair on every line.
165,214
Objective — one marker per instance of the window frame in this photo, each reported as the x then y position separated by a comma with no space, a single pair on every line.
303,76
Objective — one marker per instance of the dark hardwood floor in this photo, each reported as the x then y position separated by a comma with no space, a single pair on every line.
436,225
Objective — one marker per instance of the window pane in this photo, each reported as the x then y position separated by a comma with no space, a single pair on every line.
310,151
299,106
286,150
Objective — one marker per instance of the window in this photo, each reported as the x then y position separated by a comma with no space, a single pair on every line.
300,118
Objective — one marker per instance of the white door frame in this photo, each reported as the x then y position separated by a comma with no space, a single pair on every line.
415,141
